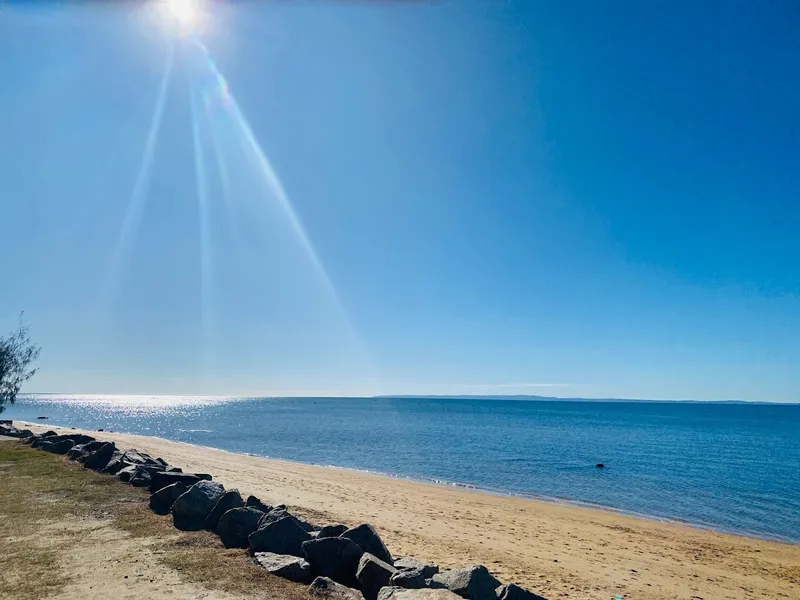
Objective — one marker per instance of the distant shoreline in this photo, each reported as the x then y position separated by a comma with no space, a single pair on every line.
519,397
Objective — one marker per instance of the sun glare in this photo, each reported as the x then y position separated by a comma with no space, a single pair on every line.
184,11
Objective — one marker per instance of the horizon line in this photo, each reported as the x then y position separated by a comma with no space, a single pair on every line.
329,396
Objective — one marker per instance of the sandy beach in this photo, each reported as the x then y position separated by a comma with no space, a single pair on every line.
558,551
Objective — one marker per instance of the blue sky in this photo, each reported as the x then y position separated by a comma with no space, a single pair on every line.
571,199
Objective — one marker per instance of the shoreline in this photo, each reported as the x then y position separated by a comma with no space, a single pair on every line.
467,487
555,549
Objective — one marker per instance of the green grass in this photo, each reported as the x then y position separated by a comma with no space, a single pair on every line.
38,489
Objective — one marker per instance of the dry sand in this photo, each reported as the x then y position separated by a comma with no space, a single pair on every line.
556,550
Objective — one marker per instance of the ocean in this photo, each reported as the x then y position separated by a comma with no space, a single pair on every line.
729,467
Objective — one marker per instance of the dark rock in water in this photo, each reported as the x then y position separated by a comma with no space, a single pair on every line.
283,536
369,541
141,477
336,558
191,509
279,512
398,593
161,501
41,418
99,430
514,592
126,473
236,525
327,588
254,502
60,447
98,459
407,562
162,479
600,466
332,531
412,579
474,583
230,499
373,574
289,567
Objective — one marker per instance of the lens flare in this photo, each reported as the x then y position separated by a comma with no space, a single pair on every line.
184,11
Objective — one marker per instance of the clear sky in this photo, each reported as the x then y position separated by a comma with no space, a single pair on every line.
595,199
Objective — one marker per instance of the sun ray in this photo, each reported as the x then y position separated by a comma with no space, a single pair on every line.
233,224
138,199
258,158
206,308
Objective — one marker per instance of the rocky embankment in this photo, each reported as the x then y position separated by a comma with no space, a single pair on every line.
339,562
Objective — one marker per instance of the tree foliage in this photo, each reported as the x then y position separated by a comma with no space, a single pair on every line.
17,353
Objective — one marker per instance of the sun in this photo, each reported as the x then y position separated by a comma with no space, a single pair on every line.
183,11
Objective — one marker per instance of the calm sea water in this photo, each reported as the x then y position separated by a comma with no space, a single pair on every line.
732,467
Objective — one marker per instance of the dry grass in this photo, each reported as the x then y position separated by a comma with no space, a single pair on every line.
38,490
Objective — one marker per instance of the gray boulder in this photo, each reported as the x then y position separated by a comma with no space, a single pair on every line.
373,574
140,477
135,457
279,512
254,502
98,459
23,433
236,525
126,473
407,562
398,593
193,506
283,536
79,451
77,438
120,460
88,448
514,592
323,587
289,567
474,583
161,501
412,579
230,499
336,558
162,479
332,531
369,541
61,447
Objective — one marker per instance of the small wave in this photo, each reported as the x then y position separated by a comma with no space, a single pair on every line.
195,430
